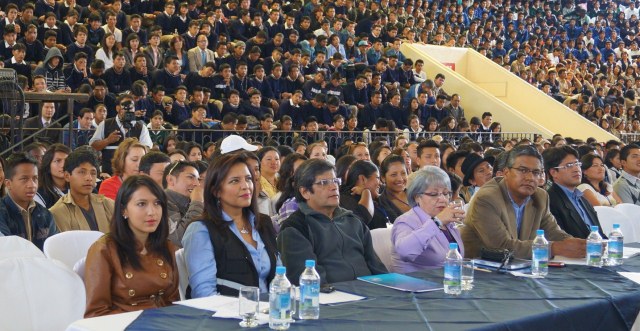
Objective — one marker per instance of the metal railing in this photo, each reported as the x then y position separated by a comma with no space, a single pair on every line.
334,139
17,127
628,138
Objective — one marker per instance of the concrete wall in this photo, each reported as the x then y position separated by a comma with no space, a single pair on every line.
474,100
525,107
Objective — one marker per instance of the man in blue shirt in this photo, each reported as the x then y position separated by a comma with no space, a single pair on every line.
572,211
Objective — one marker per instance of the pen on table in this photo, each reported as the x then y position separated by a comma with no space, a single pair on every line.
481,269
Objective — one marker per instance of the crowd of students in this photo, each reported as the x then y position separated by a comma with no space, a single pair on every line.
242,201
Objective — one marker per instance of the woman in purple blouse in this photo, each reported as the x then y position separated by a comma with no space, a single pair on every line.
422,235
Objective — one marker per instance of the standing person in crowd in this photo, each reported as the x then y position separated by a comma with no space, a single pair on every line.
81,209
233,245
125,163
51,181
360,194
20,215
112,132
322,231
394,199
133,267
185,198
421,236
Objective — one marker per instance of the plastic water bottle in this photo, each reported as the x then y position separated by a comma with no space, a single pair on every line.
309,292
594,248
280,301
453,271
540,255
616,242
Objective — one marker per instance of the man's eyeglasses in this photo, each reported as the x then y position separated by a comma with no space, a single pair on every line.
327,182
435,195
537,173
175,165
569,165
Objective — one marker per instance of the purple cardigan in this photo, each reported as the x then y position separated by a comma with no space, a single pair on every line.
418,242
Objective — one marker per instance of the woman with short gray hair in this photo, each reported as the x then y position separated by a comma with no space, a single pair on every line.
422,235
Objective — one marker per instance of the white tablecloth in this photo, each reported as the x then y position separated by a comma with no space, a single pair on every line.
115,322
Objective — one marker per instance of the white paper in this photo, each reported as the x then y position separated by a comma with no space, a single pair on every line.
634,276
212,303
628,252
338,297
224,307
522,274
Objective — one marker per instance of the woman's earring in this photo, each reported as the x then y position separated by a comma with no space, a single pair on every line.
125,217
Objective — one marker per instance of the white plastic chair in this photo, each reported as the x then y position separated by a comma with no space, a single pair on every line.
39,294
381,239
183,273
14,246
633,214
609,216
70,246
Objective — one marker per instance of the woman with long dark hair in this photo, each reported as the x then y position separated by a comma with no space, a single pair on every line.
233,245
360,193
595,189
51,182
133,266
394,197
285,200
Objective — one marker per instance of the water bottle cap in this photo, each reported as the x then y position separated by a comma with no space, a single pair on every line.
281,270
310,263
594,228
453,246
616,226
540,232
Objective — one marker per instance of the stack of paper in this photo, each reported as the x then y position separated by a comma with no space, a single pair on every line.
224,307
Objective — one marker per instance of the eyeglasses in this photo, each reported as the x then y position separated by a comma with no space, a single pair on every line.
435,195
327,182
537,173
597,166
569,165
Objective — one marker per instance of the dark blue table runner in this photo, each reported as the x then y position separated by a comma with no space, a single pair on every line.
571,298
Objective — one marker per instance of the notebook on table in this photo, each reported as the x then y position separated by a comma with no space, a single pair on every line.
402,282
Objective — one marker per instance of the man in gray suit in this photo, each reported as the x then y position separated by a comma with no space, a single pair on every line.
506,212
200,54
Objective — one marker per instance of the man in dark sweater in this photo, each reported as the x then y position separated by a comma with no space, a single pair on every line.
34,46
117,77
202,78
169,77
196,121
80,46
321,230
18,63
77,74
164,19
140,69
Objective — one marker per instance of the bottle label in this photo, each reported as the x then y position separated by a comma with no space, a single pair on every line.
452,274
284,301
541,255
594,249
310,295
615,249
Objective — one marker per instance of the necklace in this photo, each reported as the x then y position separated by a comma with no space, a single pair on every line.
398,199
244,230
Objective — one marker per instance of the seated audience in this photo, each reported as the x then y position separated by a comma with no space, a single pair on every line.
393,198
51,181
507,211
20,215
321,230
185,198
233,245
421,236
133,267
626,186
125,163
594,187
81,209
